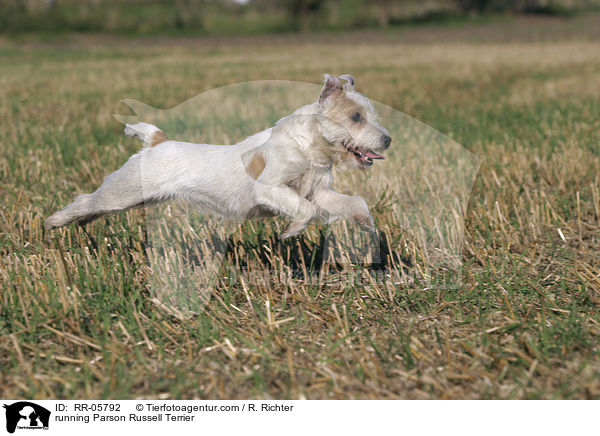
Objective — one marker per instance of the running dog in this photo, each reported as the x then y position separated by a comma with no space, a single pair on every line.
284,170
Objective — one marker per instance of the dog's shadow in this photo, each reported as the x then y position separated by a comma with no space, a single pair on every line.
301,255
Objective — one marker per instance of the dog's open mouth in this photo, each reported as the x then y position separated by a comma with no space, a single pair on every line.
364,157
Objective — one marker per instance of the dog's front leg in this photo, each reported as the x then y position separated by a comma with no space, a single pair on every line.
286,201
346,206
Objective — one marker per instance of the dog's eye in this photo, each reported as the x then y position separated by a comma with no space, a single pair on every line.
356,117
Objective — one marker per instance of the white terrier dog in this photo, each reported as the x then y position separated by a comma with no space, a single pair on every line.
284,170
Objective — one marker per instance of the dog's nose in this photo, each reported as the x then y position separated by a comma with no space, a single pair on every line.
385,140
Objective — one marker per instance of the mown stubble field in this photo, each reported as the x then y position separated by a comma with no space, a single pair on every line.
76,318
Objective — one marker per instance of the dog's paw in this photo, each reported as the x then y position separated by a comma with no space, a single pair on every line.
54,221
298,225
365,221
294,228
324,216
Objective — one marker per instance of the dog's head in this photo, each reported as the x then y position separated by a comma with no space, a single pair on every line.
349,122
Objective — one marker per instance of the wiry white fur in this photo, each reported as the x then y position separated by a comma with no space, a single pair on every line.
296,180
144,131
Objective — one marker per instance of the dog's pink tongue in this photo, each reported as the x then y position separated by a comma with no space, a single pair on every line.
373,155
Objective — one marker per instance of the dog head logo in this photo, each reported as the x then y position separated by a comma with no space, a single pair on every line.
26,415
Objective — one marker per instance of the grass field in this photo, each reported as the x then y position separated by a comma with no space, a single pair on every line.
77,318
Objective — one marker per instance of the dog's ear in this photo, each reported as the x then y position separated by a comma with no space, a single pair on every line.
332,86
349,84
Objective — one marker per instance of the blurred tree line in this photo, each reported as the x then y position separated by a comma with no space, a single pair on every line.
250,16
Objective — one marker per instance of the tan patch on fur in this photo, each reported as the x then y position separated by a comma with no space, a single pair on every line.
340,111
158,137
256,166
343,108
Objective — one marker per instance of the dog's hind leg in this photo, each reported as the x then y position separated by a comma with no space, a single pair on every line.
121,190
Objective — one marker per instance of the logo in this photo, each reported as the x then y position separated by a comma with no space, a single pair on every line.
26,415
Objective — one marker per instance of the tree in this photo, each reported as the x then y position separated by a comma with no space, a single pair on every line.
301,12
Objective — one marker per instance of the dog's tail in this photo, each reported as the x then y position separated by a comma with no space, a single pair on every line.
150,134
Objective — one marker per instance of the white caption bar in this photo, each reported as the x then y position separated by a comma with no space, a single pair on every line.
264,417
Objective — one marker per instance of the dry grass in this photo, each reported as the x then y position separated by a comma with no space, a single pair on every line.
77,315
